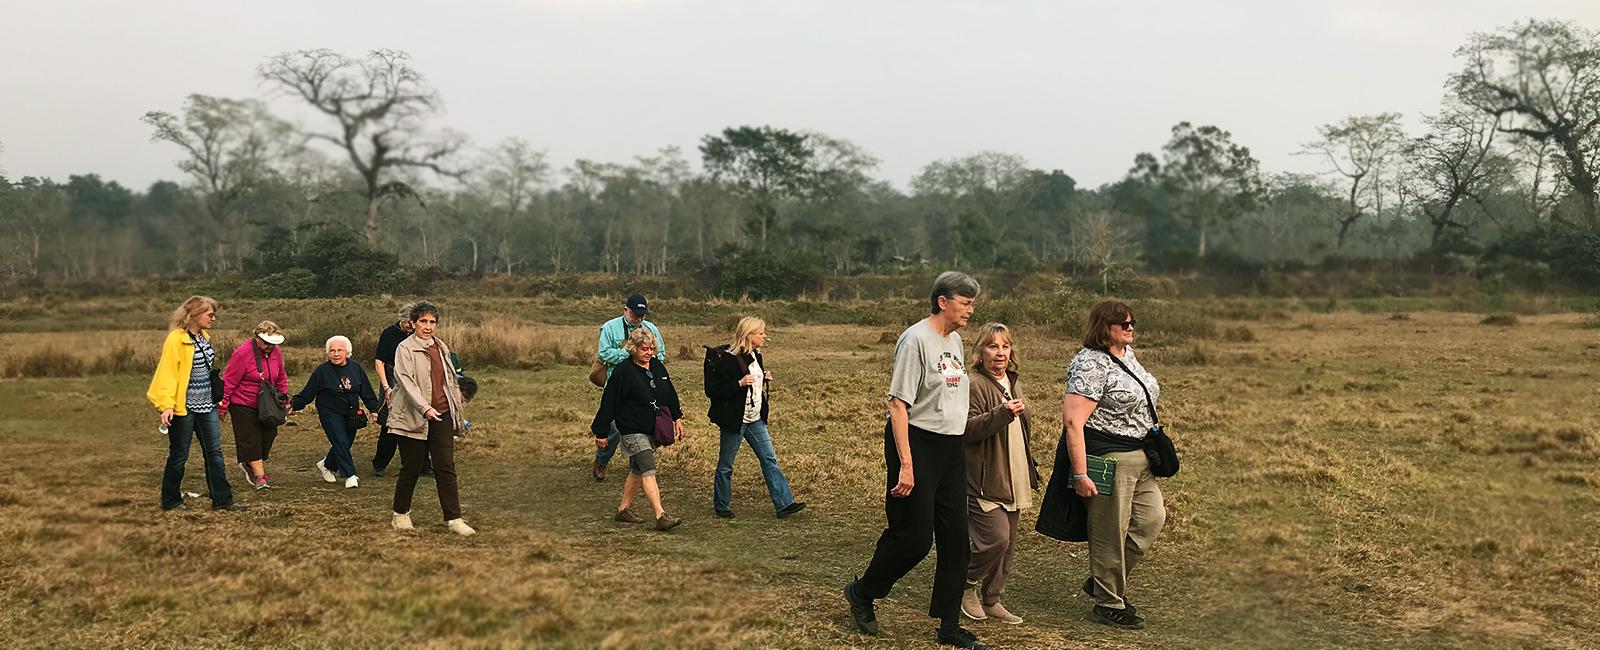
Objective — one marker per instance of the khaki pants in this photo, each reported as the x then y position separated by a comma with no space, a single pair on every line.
993,536
1122,526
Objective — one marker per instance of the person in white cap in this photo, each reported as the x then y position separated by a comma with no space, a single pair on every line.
254,363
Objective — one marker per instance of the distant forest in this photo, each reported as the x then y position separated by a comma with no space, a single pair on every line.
374,189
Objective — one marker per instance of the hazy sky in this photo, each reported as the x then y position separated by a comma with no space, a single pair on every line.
1077,86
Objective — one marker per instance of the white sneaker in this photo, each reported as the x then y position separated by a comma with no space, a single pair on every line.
351,482
459,527
401,521
327,475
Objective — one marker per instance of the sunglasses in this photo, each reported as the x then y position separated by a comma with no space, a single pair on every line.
1127,325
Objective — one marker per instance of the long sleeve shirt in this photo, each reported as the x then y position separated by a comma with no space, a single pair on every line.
336,389
630,399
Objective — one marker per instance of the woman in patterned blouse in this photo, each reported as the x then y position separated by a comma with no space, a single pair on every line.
1107,411
181,391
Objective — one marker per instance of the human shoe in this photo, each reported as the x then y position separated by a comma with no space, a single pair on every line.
327,474
377,471
725,514
459,527
626,516
599,472
249,476
667,522
957,636
998,612
790,509
352,482
862,612
401,521
1114,617
232,507
972,603
261,482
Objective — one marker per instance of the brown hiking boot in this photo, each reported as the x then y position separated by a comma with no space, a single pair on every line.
626,516
667,522
599,472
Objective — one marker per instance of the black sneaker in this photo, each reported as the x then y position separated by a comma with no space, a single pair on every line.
862,611
725,514
1088,586
1133,612
960,638
378,471
235,507
1123,618
792,508
427,471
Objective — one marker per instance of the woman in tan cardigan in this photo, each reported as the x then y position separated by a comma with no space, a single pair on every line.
426,415
1001,472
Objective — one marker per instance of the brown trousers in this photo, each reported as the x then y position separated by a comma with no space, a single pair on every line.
1122,526
251,439
993,536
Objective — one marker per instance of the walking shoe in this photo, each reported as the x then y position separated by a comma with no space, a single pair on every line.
725,514
790,509
667,522
998,612
862,612
626,516
1114,617
377,471
972,603
261,482
327,475
1089,589
599,472
427,471
957,636
352,482
1088,586
459,527
235,507
401,521
249,477
181,506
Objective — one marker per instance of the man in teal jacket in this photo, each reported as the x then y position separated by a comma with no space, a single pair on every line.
610,352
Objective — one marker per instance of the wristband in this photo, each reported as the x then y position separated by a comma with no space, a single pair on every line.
1075,477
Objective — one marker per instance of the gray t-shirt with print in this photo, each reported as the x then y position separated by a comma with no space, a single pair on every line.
931,377
1121,407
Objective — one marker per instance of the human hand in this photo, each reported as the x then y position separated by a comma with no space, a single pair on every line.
906,482
747,380
431,414
677,429
372,417
222,410
600,443
166,417
1085,487
767,375
1016,407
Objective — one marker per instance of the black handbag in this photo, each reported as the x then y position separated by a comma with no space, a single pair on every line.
1158,446
269,400
214,375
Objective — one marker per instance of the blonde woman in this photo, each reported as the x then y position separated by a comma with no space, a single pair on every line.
186,392
633,392
1001,472
737,379
256,363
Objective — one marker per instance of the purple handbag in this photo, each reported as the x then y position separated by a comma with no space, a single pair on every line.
665,433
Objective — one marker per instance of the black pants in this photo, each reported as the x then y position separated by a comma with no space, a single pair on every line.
388,442
251,439
935,511
414,453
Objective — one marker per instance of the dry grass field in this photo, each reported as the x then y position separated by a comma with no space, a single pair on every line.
1350,480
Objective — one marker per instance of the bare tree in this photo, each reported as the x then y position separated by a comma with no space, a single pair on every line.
1454,162
1102,241
380,106
515,172
1542,79
1359,147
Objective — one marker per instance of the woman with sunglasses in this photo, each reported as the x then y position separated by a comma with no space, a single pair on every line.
1107,412
632,394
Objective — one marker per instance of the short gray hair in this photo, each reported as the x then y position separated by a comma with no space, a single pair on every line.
951,284
338,338
405,311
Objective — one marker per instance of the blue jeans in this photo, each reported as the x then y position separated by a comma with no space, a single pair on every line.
208,428
340,437
603,455
760,443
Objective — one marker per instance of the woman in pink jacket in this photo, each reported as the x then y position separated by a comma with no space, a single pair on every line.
256,361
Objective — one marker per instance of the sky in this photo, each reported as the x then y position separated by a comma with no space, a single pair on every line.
1077,86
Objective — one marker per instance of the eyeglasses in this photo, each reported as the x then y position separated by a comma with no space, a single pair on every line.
1128,325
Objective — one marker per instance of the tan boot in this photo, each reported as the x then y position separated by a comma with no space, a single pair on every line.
972,603
998,611
401,521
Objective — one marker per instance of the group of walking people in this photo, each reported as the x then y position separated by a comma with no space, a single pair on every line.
420,410
956,443
957,447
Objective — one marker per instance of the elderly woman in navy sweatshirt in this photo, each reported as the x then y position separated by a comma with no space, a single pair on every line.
340,389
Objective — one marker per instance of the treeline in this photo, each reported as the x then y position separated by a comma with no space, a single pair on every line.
1502,181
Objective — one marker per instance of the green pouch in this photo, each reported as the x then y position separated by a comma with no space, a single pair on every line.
1103,471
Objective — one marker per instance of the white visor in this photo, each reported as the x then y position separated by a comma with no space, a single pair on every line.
274,339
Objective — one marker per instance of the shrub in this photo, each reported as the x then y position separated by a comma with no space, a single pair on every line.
293,283
1499,320
765,276
1240,334
45,362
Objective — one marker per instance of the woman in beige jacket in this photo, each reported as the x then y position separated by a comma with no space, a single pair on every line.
1001,472
426,413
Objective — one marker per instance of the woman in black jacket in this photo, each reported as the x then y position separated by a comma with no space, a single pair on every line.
633,393
340,389
736,381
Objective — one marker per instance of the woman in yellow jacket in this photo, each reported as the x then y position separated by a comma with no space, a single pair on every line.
186,391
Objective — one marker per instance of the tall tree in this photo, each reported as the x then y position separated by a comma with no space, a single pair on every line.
514,174
380,106
1454,162
1208,178
1359,148
765,165
1542,79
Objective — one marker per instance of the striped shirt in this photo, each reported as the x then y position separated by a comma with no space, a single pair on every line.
198,397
